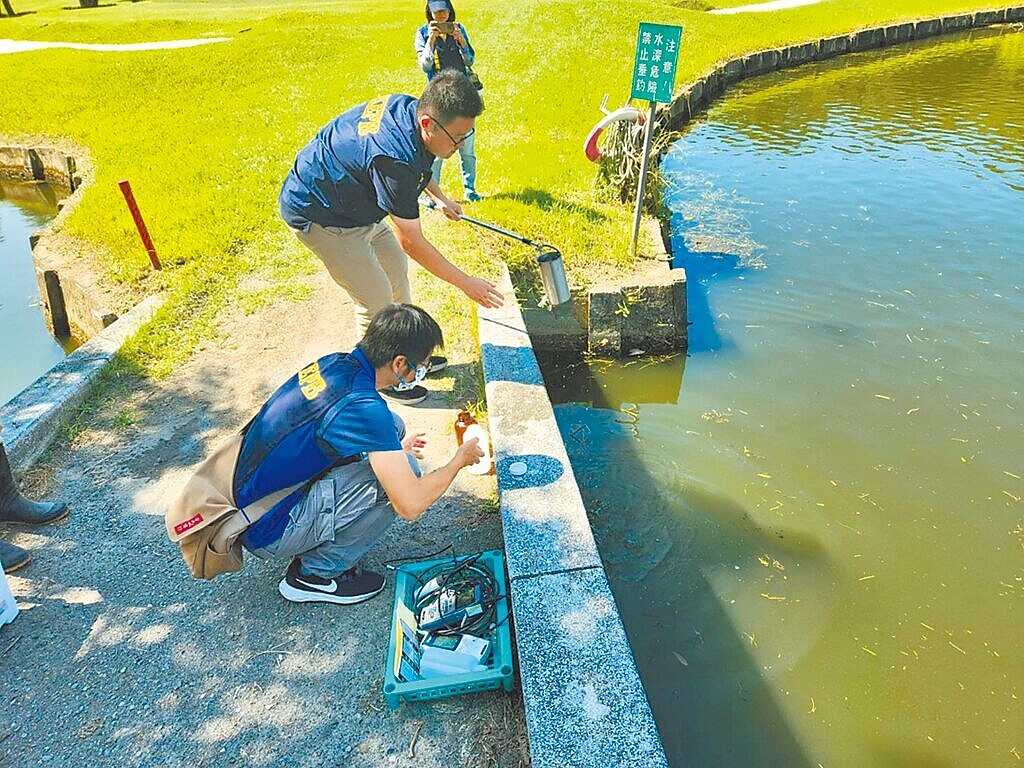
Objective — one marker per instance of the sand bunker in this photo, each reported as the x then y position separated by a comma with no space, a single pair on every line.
775,5
20,46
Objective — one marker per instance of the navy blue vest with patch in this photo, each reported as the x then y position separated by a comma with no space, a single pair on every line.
281,447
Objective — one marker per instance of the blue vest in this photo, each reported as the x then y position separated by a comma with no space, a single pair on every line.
330,181
281,447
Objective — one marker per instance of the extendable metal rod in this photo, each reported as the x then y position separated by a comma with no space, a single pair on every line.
501,231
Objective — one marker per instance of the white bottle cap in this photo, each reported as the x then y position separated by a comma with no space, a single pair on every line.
517,468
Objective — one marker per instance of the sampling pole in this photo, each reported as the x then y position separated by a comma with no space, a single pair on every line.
126,190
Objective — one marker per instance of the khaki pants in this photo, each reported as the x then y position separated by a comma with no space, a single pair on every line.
365,261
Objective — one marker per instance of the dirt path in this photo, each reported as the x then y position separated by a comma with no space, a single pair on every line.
119,657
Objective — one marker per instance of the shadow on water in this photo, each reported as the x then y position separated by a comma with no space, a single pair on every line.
703,268
713,702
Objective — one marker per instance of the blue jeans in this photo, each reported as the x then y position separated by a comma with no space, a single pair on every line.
467,156
340,518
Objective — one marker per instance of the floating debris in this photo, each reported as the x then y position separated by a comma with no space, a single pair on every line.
883,397
868,650
768,596
680,659
812,710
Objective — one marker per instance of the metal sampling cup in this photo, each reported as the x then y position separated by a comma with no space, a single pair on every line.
549,262
552,276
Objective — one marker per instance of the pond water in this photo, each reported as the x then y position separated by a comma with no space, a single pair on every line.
815,532
27,349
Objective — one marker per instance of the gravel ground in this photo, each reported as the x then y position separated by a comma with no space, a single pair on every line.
120,658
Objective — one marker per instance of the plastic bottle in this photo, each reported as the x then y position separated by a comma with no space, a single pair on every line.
483,465
461,423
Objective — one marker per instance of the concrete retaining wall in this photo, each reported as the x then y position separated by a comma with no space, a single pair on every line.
696,97
51,165
646,310
35,414
72,303
585,704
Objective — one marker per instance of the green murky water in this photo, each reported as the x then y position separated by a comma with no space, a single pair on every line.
26,348
815,532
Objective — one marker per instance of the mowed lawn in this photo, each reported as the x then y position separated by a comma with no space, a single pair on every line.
207,134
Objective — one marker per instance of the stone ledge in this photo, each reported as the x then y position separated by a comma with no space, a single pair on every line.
647,311
45,164
584,701
72,300
33,416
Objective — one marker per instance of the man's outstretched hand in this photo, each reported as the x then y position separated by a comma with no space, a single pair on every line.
483,292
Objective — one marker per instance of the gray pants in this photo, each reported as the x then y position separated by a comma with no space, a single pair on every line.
340,518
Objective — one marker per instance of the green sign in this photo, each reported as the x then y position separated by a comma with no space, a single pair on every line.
657,51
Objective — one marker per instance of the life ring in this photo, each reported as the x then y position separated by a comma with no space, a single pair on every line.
623,115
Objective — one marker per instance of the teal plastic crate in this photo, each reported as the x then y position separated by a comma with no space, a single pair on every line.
500,668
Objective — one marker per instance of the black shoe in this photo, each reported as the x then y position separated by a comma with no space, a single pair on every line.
15,508
353,586
406,397
21,510
437,364
12,558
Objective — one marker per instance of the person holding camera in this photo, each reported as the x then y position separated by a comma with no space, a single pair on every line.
443,44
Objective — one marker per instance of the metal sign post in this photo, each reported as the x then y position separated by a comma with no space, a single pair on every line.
654,77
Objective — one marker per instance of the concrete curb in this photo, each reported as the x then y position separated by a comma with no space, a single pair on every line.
33,416
584,702
692,100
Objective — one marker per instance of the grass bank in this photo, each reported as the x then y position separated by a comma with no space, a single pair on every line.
206,134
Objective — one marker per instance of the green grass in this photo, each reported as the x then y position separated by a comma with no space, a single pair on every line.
207,134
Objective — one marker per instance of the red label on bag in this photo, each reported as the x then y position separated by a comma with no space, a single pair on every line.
190,523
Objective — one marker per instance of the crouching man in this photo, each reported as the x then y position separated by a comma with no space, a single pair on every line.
321,471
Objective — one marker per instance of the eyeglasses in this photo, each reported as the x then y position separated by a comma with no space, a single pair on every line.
451,138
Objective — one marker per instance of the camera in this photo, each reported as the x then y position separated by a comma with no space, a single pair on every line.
444,27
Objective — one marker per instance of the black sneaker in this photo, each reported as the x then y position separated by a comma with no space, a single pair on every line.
353,586
437,364
407,396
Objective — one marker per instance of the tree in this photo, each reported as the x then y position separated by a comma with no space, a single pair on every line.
7,7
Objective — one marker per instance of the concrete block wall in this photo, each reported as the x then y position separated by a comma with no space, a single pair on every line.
697,96
35,414
72,305
45,164
585,704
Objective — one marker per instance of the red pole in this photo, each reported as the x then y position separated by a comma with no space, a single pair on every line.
126,190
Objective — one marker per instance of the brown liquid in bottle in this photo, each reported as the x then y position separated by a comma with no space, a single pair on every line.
463,420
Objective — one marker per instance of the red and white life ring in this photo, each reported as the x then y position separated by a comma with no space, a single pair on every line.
623,115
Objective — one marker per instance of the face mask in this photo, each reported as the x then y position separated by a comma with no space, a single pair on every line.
419,375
